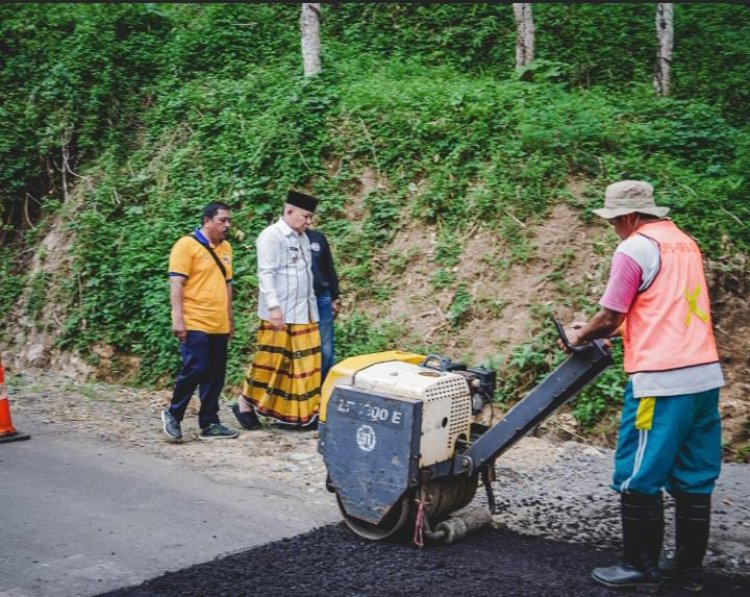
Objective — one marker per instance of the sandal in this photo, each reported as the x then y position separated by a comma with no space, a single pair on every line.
248,420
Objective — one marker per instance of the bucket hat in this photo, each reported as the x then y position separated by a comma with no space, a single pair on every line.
629,196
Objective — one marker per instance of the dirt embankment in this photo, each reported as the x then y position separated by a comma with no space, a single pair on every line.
564,260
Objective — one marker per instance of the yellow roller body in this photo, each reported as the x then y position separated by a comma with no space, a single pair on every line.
344,372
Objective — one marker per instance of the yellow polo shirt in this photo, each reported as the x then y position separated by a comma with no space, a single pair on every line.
205,304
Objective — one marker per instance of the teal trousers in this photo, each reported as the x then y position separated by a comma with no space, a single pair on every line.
670,442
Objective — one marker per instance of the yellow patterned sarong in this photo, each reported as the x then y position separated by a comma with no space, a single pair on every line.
283,381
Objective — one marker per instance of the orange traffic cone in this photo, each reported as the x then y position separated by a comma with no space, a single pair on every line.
8,433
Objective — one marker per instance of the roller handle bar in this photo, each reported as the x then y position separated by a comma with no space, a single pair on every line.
583,365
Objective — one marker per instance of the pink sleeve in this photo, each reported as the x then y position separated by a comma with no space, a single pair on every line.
624,280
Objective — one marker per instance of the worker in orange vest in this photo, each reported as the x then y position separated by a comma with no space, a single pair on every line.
670,429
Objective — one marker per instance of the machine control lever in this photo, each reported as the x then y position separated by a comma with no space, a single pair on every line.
583,365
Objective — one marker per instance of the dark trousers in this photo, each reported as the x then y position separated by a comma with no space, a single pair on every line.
204,364
325,325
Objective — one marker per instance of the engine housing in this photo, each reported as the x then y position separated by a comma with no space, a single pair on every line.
445,397
384,424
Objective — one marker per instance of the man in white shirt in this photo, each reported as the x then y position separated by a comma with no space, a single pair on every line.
283,381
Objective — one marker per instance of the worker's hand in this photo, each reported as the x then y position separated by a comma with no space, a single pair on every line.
180,331
276,318
573,333
336,307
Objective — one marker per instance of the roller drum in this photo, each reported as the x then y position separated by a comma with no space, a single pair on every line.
448,495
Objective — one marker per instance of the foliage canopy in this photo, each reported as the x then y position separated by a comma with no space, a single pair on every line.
127,118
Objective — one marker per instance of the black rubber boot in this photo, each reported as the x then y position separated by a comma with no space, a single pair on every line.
642,535
692,527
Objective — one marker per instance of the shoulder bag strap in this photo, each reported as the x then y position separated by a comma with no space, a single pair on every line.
213,254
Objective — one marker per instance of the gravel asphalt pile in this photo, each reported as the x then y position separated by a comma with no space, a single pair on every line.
558,519
333,561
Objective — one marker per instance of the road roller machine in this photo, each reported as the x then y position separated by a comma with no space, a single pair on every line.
401,446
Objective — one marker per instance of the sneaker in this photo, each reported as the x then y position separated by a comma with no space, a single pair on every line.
171,425
248,420
217,431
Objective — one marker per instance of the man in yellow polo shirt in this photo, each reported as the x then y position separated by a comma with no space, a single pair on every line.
200,273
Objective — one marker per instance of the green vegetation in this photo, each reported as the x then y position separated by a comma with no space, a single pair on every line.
37,294
126,119
460,307
358,335
12,281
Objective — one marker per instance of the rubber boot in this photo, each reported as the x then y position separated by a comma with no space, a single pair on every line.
692,526
642,535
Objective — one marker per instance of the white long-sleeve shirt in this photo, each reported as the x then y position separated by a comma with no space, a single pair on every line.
285,275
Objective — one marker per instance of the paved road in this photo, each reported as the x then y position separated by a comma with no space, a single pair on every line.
79,518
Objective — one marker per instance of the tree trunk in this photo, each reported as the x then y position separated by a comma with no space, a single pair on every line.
525,35
309,23
665,39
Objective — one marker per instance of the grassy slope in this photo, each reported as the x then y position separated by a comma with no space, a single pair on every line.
397,135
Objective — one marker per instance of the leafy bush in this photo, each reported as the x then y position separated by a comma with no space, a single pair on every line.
460,307
163,108
12,281
358,335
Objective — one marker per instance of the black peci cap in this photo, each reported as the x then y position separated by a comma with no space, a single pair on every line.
302,201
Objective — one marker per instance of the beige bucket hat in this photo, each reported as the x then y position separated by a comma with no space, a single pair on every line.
629,196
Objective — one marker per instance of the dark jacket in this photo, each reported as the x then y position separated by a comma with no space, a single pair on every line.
324,273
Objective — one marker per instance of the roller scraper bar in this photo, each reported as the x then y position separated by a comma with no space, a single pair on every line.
582,367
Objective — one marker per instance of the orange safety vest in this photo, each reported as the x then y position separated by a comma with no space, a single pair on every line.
668,325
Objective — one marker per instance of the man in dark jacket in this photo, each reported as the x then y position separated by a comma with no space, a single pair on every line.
326,284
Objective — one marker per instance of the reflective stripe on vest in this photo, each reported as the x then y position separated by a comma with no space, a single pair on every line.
668,325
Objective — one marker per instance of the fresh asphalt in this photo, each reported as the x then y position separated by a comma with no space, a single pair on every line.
80,518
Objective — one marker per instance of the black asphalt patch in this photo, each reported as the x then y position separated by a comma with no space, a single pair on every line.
331,560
